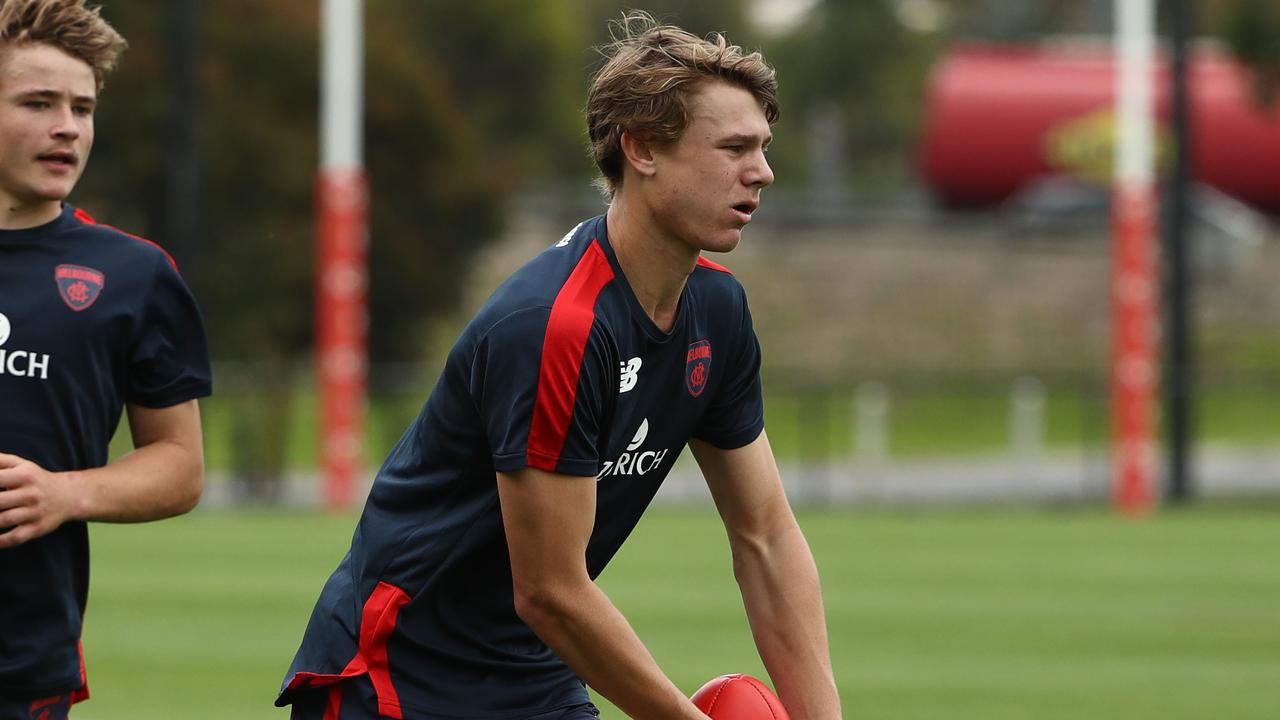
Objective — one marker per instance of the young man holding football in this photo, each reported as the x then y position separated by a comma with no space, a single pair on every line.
468,590
93,321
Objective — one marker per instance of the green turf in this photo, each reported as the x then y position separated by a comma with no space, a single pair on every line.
933,614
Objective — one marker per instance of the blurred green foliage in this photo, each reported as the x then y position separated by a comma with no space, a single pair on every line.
469,103
1253,29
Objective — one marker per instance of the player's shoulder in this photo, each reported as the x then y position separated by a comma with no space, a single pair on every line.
580,236
577,258
117,240
715,280
568,272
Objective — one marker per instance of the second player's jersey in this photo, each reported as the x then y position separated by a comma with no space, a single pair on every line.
561,370
91,319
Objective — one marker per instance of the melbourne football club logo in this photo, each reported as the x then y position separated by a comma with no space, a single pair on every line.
79,286
697,367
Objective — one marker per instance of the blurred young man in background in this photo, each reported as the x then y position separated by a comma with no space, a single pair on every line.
92,321
468,590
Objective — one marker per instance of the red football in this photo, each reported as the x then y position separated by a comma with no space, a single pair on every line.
739,697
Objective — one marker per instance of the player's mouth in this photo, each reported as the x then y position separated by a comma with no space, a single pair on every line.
58,160
744,210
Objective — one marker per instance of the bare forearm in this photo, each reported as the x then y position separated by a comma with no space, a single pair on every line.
155,481
593,637
783,599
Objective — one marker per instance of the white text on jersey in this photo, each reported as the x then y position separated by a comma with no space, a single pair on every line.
20,363
634,463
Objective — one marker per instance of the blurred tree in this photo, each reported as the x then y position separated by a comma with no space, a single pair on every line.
257,154
851,81
699,17
1002,21
463,101
466,101
1252,29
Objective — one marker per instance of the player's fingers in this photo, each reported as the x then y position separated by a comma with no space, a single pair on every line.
13,534
13,517
13,498
14,477
18,475
7,460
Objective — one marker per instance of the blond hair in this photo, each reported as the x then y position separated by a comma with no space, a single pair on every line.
68,25
644,86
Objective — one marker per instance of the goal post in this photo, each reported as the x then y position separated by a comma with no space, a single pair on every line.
1134,279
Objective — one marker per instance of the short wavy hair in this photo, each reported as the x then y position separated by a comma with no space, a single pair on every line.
69,25
645,84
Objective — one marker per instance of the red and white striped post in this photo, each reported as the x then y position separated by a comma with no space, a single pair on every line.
342,201
1134,284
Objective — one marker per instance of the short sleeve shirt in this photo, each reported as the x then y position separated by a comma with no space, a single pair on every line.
561,370
91,318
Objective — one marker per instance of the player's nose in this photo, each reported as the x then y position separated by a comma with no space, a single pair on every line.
758,173
65,125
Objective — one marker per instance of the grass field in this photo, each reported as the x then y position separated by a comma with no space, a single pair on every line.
979,613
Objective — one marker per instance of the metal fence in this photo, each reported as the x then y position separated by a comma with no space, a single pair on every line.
910,355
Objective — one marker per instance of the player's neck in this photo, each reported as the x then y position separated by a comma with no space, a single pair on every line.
655,264
17,215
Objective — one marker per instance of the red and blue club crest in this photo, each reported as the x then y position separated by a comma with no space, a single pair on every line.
697,367
79,286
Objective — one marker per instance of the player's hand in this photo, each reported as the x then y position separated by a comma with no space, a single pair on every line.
33,501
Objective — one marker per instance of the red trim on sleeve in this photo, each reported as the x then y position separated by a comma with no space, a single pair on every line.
703,262
377,622
565,341
87,219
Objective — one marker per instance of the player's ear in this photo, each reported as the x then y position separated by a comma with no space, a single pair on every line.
639,154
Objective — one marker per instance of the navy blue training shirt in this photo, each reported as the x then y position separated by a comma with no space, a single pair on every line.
561,370
91,318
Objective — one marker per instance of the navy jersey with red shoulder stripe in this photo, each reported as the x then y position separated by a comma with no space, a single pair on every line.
560,370
91,318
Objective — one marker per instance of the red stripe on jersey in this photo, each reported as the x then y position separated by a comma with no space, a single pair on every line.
572,314
377,622
82,693
376,625
703,262
334,703
87,219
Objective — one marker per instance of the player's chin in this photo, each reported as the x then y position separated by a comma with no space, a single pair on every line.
724,242
53,191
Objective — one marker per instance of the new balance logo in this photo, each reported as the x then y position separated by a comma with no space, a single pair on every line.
569,235
630,374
